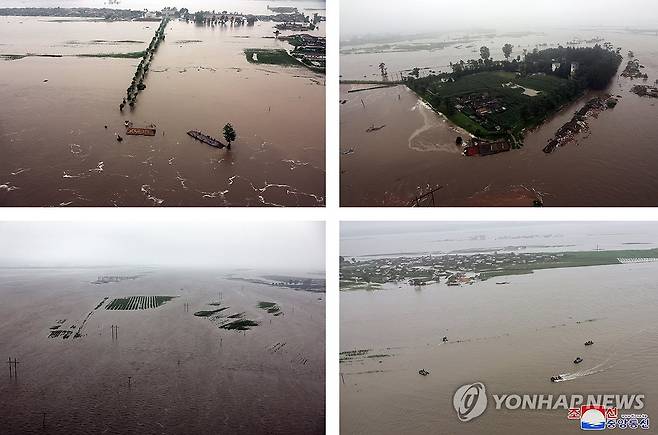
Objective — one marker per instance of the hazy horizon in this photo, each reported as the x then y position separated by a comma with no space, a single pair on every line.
376,238
222,245
428,16
191,5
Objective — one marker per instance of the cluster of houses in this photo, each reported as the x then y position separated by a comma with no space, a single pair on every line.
289,18
310,49
480,104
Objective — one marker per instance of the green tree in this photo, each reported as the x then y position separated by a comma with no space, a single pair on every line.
450,107
229,134
507,50
485,54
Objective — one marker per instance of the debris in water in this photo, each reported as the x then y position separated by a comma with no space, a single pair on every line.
373,128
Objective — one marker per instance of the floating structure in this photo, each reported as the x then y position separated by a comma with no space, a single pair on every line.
486,148
206,139
136,131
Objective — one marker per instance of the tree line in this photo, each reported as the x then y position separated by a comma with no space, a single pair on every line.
137,83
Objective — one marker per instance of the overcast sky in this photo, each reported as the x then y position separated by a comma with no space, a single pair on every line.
359,17
270,245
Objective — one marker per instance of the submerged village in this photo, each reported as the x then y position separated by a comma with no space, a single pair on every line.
498,101
308,50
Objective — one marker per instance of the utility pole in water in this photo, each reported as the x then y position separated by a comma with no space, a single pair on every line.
13,373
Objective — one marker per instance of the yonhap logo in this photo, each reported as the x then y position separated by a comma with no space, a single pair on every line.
470,401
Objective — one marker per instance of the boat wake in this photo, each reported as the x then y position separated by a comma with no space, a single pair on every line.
615,356
601,367
430,121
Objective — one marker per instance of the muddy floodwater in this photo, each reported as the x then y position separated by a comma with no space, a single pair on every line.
612,164
56,150
167,371
512,337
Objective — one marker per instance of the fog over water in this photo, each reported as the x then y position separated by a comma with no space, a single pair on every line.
418,16
388,238
220,245
215,338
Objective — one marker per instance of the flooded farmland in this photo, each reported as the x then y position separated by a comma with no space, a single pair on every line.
60,116
611,164
511,333
153,356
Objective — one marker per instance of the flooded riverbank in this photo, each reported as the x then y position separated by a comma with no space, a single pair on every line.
57,150
609,165
166,369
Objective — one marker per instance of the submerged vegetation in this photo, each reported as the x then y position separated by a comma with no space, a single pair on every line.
270,307
138,302
229,134
129,55
208,313
240,325
235,321
360,355
137,84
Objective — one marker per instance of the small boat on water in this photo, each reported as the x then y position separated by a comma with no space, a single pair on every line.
206,139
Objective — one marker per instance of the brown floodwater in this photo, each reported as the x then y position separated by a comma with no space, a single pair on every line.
613,164
186,374
56,150
512,338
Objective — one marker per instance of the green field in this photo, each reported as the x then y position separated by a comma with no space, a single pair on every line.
270,56
138,302
520,110
570,259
